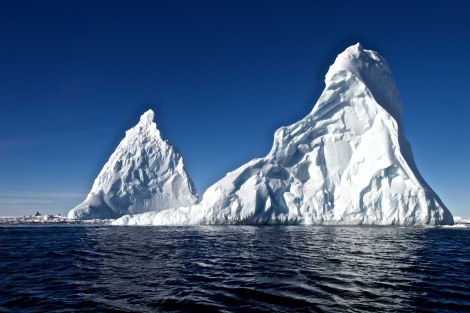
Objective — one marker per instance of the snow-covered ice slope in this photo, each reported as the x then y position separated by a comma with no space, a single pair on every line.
144,173
347,162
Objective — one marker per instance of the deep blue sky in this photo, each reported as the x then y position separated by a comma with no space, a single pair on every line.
221,76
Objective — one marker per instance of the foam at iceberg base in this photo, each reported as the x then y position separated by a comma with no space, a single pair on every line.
144,173
347,162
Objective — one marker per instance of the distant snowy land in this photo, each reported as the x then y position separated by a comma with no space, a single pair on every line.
47,220
346,163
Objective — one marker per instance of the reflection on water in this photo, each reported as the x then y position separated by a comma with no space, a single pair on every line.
235,269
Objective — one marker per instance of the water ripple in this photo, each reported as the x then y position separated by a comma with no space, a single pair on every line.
234,269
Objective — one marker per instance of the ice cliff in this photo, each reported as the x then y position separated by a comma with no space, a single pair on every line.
144,173
346,162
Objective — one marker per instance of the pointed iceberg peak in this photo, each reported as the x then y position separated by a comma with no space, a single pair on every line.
147,117
146,125
358,61
372,69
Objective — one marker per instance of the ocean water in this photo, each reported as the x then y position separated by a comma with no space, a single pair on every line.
234,269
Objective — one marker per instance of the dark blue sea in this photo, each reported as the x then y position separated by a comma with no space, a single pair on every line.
76,268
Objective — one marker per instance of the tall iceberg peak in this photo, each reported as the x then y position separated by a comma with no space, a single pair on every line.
145,126
144,173
147,117
346,162
373,70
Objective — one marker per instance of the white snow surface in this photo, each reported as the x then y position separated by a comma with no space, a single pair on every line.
144,173
347,162
461,220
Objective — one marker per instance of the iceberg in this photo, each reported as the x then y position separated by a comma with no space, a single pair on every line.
144,173
347,162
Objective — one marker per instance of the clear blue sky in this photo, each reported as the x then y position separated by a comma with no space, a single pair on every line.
221,76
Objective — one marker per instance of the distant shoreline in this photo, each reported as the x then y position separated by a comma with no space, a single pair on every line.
46,219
